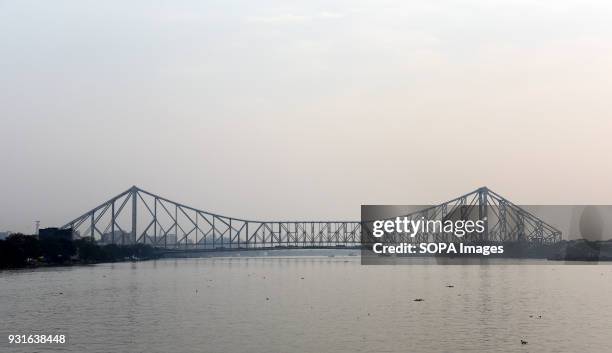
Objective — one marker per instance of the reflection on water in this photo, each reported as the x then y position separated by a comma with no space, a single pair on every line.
310,304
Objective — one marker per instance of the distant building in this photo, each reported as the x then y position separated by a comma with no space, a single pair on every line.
160,239
120,238
55,233
171,239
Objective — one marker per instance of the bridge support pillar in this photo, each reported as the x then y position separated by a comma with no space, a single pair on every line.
134,213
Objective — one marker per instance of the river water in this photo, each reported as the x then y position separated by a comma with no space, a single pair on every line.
309,304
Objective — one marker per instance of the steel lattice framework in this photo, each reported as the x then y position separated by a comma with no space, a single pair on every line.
138,216
504,222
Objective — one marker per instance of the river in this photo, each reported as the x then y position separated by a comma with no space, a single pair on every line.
300,304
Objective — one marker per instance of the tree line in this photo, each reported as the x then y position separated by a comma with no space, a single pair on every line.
21,250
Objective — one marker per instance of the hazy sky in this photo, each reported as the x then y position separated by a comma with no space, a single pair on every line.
301,109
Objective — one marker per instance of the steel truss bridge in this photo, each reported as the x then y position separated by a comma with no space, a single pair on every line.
136,216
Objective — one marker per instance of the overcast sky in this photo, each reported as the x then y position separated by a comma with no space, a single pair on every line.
301,109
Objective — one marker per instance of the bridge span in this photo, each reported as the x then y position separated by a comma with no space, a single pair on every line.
137,216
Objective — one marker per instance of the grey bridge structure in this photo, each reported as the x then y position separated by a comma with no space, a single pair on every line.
136,216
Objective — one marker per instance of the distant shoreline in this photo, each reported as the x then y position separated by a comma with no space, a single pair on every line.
28,251
21,251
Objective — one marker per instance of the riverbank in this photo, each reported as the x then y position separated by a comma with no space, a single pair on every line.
27,251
